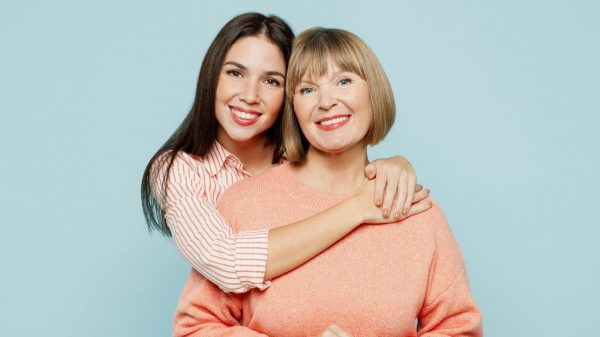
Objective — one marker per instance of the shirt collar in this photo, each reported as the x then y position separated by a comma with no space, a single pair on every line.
217,156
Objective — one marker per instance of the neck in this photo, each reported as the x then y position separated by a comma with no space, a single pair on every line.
254,154
336,173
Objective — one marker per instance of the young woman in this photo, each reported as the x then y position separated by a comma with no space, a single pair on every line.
374,282
233,131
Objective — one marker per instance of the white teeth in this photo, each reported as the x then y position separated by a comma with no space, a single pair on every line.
333,121
244,115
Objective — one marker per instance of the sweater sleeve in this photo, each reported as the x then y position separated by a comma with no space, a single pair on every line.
234,262
449,308
204,310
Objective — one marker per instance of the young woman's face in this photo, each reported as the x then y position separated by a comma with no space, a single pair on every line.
250,90
334,111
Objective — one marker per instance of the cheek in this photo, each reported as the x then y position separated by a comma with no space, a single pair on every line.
302,110
365,120
223,89
366,109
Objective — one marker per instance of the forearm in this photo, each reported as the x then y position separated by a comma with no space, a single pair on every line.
235,262
294,244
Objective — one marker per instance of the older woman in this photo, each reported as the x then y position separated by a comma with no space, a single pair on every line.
408,271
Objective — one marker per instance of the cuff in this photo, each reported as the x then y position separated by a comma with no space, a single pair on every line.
251,252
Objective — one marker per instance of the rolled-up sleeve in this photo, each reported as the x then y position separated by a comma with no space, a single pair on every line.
235,262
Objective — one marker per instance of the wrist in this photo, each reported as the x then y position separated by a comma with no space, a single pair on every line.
354,211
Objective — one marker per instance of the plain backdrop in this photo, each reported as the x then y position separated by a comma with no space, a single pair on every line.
498,105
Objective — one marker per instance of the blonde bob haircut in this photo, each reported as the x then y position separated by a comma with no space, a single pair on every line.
312,52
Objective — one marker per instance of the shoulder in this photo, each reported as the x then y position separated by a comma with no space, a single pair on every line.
255,188
173,171
185,163
260,184
247,202
439,230
435,215
432,223
182,162
178,168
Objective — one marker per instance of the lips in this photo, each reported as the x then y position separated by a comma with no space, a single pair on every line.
332,122
244,116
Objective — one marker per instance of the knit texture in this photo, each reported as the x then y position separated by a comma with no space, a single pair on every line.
377,281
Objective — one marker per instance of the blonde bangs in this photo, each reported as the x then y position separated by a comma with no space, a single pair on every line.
313,52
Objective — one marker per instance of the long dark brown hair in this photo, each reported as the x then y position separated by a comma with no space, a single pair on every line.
198,131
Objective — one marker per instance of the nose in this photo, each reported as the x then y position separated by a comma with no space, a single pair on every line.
326,98
250,93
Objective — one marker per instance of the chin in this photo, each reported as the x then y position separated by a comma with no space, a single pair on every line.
243,138
333,149
338,147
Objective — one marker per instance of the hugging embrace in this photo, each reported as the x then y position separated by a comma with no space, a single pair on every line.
268,193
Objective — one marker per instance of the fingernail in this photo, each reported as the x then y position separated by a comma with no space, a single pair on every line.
398,215
386,213
378,202
405,211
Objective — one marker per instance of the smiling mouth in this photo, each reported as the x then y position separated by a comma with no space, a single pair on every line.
333,122
243,116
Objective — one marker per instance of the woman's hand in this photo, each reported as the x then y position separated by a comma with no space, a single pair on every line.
395,186
334,331
369,213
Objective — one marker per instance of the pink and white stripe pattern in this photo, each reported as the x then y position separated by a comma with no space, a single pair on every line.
235,262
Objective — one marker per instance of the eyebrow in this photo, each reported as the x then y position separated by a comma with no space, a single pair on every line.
243,67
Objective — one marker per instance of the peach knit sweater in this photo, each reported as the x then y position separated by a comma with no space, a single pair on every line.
377,281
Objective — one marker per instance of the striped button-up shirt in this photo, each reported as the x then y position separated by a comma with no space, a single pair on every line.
236,262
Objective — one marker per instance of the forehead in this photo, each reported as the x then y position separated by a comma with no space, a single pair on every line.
256,52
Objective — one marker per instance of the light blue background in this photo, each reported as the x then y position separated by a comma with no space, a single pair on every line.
498,106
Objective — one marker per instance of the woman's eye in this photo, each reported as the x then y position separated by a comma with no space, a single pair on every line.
234,73
272,82
345,81
306,91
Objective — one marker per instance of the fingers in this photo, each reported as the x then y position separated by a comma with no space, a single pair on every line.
401,195
391,189
380,183
412,182
370,171
419,207
420,195
418,188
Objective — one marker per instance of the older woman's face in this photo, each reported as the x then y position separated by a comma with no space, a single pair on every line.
334,110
